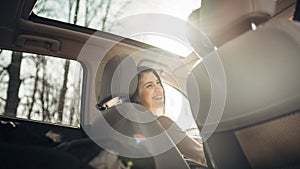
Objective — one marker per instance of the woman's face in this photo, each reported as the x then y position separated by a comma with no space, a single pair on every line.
151,93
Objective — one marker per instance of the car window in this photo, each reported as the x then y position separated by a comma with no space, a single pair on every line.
38,87
178,109
104,15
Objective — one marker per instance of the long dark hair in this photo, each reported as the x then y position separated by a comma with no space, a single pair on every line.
135,82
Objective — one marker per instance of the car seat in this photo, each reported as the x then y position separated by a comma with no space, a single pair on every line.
259,126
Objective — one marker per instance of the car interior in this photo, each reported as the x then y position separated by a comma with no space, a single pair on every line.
240,81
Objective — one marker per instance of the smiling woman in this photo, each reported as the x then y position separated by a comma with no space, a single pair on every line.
248,118
149,92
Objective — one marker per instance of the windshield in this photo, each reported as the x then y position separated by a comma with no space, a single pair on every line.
104,14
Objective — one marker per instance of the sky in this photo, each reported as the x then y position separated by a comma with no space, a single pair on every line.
178,8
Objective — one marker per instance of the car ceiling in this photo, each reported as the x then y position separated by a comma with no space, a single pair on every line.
11,24
14,24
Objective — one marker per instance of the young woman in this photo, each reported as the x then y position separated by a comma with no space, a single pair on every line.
150,93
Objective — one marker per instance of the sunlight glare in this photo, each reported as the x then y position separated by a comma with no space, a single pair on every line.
166,43
253,26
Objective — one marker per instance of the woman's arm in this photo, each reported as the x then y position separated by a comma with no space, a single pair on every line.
186,145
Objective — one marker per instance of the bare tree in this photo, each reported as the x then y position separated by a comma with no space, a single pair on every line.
3,85
63,91
100,14
44,95
106,14
92,9
3,73
109,15
35,91
13,71
43,7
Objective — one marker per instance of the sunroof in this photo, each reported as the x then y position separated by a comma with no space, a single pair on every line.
104,15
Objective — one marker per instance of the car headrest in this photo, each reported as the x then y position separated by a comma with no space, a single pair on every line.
262,78
117,75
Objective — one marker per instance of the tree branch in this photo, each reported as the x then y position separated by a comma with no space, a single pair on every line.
1,98
106,14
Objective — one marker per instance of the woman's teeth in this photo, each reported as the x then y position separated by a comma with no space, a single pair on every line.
157,97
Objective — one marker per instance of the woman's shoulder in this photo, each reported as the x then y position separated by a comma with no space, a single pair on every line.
165,121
